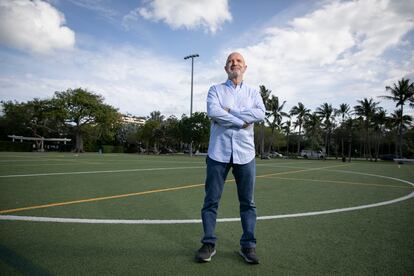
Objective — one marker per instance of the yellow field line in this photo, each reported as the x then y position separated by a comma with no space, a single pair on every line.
340,182
304,170
98,199
142,193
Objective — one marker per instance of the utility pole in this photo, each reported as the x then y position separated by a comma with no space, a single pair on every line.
191,104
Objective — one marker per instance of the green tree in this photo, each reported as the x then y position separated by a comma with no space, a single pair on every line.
326,112
265,94
301,114
312,127
196,129
399,123
401,93
275,117
81,109
36,118
343,112
148,134
366,110
156,116
287,130
172,137
378,121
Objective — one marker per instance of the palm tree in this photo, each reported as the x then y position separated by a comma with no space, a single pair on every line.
350,124
301,114
400,94
343,111
286,129
276,113
399,122
265,93
325,112
312,126
156,116
366,110
378,120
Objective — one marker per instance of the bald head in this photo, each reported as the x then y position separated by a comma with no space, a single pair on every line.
235,67
235,55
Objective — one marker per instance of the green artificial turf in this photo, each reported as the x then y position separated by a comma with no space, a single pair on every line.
374,241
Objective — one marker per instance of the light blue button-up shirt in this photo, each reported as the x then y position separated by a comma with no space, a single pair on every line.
228,138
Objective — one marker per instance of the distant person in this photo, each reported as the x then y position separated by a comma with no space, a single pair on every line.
233,108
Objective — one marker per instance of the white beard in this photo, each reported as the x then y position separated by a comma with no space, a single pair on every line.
234,74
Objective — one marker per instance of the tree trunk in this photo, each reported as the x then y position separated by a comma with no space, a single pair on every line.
271,141
262,141
300,130
79,141
400,134
287,146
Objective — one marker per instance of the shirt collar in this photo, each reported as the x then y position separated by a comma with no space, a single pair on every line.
231,84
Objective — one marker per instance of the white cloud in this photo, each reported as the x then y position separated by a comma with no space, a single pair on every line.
33,26
134,80
208,14
319,55
340,52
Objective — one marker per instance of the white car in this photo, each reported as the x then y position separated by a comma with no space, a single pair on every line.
274,154
312,154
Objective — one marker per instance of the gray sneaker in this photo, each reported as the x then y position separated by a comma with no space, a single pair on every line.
205,253
249,255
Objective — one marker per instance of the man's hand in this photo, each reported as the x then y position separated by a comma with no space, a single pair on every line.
246,125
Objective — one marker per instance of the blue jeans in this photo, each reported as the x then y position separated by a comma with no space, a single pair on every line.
245,180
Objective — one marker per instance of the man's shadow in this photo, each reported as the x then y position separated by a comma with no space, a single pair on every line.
20,263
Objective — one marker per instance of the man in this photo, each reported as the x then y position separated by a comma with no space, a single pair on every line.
233,108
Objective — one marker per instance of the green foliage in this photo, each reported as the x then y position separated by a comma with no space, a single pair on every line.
81,109
34,118
84,117
195,129
112,149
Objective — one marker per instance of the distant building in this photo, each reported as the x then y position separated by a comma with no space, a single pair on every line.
129,119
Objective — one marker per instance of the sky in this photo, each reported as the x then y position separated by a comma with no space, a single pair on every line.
132,52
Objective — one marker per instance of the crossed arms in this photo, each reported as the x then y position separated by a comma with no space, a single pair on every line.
230,117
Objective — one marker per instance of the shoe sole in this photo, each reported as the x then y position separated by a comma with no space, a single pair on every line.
200,260
247,259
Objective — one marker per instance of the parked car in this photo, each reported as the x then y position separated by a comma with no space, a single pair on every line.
166,151
388,157
312,154
272,154
275,154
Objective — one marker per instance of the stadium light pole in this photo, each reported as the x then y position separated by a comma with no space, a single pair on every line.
191,104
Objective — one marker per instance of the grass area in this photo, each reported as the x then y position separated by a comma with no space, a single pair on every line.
371,241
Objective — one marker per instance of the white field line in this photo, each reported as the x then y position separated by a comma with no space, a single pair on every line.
192,221
128,170
95,172
94,160
38,160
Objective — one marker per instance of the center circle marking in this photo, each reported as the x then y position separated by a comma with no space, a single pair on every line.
193,221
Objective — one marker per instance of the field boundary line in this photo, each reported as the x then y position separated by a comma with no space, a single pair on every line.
95,172
7,211
192,221
303,170
340,182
